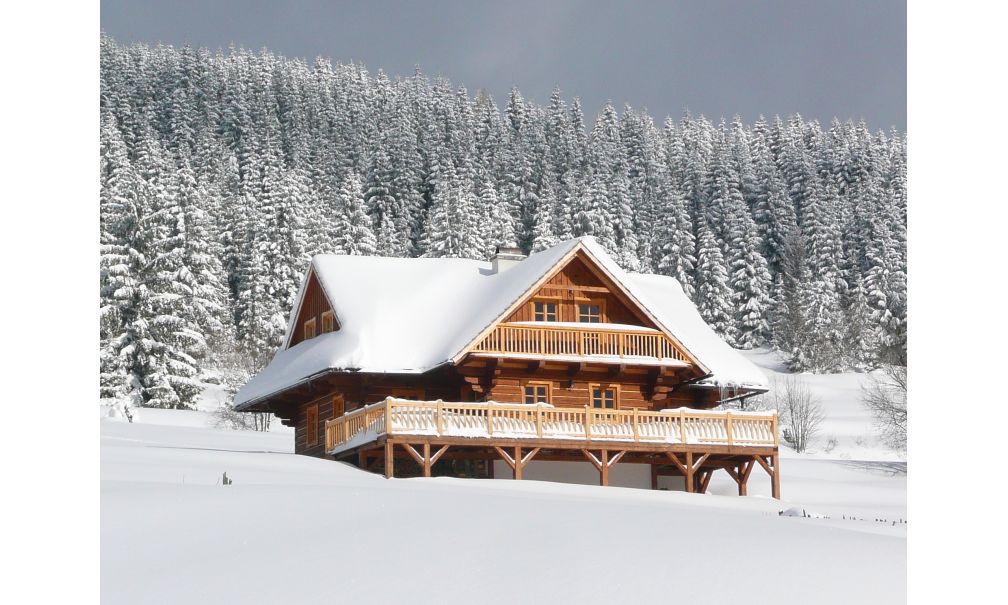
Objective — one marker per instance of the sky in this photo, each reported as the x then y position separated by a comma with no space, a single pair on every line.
822,59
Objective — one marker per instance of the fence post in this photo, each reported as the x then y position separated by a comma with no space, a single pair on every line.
682,426
728,427
538,420
587,423
489,418
439,414
388,415
636,436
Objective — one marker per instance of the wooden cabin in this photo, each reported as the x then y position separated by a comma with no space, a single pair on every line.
558,366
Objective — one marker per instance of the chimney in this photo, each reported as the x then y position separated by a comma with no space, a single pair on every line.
505,257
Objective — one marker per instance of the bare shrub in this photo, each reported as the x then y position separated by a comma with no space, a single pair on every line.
800,411
886,397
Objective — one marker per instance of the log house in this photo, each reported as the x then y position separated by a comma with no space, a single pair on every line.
537,367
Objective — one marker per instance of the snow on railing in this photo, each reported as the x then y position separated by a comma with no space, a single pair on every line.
490,419
568,341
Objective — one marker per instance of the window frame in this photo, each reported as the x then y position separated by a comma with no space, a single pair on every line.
556,302
600,302
330,318
313,325
604,386
534,384
342,401
311,425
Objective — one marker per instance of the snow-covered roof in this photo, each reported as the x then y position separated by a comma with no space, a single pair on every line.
408,316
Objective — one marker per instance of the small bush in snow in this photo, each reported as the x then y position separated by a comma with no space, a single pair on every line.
226,417
800,411
831,444
886,397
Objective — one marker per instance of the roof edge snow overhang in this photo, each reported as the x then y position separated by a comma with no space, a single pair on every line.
241,407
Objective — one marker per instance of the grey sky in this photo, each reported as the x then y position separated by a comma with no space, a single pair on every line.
716,57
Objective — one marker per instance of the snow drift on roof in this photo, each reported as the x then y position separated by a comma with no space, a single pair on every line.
407,316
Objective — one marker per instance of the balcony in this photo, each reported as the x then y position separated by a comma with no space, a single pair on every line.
607,343
581,427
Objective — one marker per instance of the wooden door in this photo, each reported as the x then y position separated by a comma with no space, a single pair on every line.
338,406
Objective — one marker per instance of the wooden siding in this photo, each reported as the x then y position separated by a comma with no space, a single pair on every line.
578,283
313,306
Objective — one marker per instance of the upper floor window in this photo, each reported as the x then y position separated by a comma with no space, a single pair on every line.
590,313
545,311
309,328
537,392
604,396
328,322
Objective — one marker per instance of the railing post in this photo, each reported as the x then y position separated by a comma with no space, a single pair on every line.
775,444
489,413
538,421
728,427
440,409
682,426
587,422
636,436
580,339
388,415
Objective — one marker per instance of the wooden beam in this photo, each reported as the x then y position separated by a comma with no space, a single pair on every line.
413,453
775,486
440,452
705,478
518,463
604,470
389,460
426,460
533,366
744,470
591,458
690,485
506,457
616,458
675,459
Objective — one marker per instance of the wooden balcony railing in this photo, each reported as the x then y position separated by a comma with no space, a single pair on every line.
489,419
568,341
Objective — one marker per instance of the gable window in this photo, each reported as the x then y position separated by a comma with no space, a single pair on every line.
309,328
311,425
590,313
545,311
536,392
604,396
328,322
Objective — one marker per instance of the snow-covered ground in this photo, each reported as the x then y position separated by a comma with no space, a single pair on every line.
292,528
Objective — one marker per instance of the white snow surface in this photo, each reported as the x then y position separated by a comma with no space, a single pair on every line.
411,315
295,529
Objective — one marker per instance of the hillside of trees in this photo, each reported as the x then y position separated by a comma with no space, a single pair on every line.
223,173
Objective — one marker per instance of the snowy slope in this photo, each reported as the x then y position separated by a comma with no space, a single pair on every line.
293,528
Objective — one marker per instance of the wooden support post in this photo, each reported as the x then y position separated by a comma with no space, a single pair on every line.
654,476
517,468
426,458
604,471
690,485
705,481
775,489
389,460
744,469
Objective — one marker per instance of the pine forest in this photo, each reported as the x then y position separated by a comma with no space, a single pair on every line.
223,173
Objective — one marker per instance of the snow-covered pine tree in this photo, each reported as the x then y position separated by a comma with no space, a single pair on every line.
713,292
353,234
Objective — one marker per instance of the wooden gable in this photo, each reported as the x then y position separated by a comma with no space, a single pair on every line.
579,282
314,306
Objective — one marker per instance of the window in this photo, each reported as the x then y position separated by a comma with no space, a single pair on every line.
604,396
590,313
536,392
338,406
309,329
328,322
311,426
545,311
